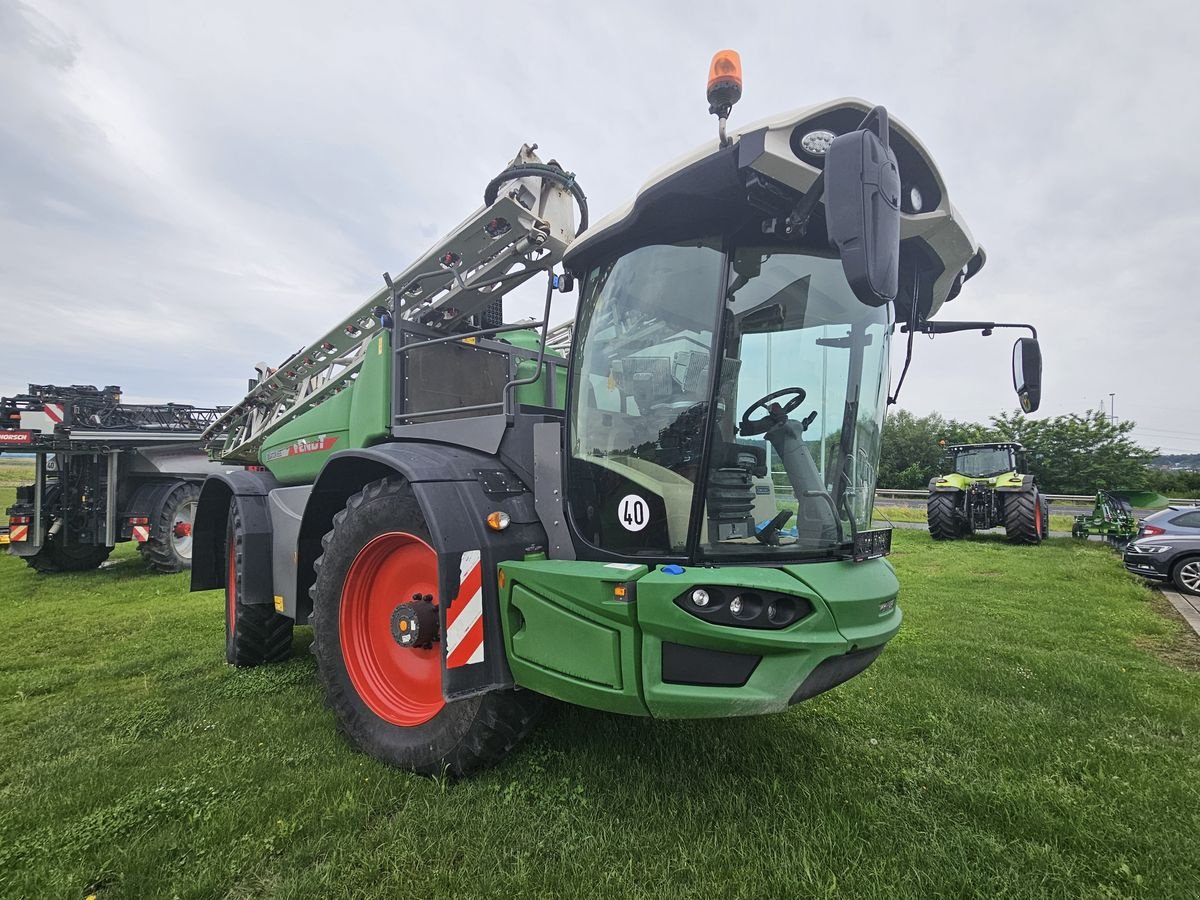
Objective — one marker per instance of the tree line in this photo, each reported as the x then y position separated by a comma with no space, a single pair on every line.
1069,454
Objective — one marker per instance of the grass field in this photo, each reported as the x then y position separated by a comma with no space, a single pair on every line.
1034,730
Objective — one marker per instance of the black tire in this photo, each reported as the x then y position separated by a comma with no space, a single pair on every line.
462,735
1023,517
254,632
943,524
1185,575
166,550
1045,518
56,556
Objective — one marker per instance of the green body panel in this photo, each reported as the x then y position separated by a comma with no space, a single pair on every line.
1010,481
568,636
355,417
538,393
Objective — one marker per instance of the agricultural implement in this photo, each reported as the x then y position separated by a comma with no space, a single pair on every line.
986,489
1113,517
104,472
475,515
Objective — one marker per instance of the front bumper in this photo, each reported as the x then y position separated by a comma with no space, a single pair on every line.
568,636
1148,565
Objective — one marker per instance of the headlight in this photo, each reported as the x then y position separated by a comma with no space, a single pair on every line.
1150,548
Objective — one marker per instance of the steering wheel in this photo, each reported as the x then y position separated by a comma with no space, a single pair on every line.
775,413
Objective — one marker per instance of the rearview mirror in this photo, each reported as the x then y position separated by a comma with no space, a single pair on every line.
1027,373
862,213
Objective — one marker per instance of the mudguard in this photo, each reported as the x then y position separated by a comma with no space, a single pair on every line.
456,488
249,491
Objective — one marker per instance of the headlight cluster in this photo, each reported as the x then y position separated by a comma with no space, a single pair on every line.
1150,548
743,608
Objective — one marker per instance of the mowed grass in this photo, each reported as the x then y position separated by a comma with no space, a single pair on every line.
1034,730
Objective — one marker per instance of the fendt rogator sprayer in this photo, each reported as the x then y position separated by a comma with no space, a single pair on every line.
104,472
986,489
471,522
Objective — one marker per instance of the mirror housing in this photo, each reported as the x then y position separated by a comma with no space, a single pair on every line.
1027,373
862,212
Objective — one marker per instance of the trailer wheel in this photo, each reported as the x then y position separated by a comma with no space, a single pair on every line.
943,525
1024,517
387,698
169,548
254,632
56,556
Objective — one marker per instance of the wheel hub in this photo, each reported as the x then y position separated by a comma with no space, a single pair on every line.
415,623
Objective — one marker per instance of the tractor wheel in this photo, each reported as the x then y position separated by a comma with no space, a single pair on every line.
169,548
1186,575
1024,519
56,556
1045,518
387,698
943,524
254,632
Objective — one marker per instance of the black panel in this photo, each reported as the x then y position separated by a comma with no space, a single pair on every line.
451,375
682,664
834,671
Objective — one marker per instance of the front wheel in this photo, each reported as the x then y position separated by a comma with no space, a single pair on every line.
1186,576
378,565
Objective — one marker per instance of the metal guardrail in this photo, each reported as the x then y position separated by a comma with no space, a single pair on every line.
782,488
1086,499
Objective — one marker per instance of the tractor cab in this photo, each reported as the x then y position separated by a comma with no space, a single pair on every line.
985,460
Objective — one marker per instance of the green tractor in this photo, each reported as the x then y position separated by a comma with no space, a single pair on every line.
986,490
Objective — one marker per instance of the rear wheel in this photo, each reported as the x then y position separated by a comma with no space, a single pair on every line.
169,547
1186,575
943,524
57,556
254,632
387,697
1045,518
1024,517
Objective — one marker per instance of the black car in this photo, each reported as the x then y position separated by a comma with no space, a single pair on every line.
1167,557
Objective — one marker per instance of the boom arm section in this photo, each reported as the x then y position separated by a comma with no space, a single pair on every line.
524,230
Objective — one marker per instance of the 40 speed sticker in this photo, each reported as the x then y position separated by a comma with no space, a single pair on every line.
633,512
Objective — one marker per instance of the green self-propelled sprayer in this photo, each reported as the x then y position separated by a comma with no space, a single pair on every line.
473,515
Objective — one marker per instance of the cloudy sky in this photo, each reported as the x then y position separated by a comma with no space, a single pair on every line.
189,187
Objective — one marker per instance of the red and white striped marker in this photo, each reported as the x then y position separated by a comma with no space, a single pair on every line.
54,411
464,619
18,532
141,533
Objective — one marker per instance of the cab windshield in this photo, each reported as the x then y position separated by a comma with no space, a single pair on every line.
671,454
983,462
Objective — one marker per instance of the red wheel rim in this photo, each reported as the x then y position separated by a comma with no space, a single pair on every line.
1037,517
230,587
400,685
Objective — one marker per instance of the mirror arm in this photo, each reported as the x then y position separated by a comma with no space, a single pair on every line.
913,316
926,327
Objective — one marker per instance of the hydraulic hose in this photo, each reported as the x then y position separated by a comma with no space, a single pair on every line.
550,173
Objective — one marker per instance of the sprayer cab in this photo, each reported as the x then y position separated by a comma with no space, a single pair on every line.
735,324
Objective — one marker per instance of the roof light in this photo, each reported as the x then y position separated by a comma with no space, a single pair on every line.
725,78
817,142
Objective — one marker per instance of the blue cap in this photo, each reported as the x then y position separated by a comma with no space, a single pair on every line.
672,570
